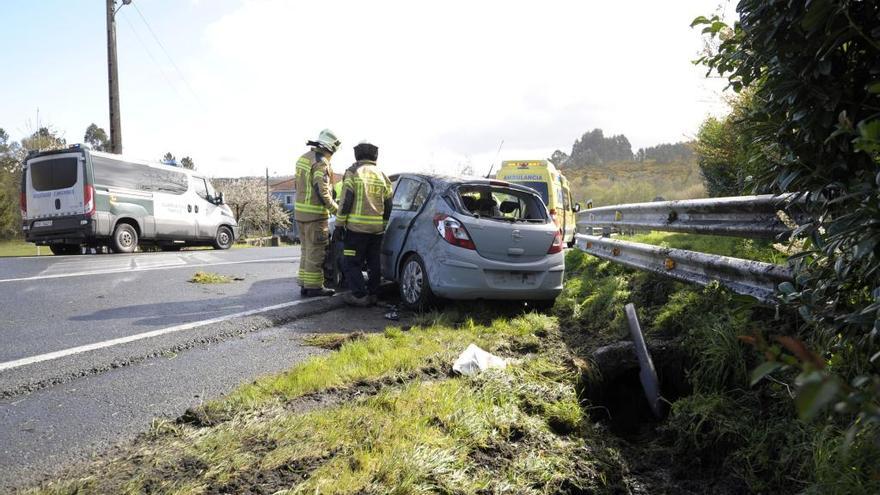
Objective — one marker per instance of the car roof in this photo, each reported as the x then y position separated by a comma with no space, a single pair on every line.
443,181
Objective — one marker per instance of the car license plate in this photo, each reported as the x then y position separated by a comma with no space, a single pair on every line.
43,223
515,278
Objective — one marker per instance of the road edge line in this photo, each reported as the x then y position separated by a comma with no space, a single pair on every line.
49,356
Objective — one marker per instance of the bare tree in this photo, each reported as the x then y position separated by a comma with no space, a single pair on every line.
247,198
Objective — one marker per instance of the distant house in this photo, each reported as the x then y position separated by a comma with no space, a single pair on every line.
284,190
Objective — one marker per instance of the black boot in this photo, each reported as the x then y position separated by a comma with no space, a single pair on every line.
320,292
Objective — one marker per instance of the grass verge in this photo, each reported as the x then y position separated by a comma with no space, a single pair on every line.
749,249
21,248
411,427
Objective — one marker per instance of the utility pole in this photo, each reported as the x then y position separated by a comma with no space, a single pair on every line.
268,224
113,78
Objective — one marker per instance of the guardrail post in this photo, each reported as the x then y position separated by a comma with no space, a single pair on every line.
647,373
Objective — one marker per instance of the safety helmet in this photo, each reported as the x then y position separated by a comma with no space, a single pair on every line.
366,151
326,140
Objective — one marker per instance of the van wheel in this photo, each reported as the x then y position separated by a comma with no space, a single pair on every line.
224,238
125,239
415,289
64,249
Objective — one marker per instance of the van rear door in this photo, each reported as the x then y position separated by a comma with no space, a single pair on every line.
55,186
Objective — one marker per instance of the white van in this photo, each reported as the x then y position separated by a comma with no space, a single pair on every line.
78,197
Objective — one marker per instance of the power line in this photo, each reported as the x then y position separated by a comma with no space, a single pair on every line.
162,46
153,58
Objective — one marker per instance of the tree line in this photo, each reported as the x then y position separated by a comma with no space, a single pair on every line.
594,148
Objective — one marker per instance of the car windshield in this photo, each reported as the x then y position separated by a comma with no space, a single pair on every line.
501,203
541,187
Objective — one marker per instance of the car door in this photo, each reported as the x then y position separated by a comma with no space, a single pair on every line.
410,194
204,210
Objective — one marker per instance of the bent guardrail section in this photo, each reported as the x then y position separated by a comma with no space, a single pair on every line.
751,278
740,216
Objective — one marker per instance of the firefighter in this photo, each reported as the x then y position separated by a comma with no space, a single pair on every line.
366,206
312,209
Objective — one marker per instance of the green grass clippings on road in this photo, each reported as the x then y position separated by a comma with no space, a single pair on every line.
210,278
384,414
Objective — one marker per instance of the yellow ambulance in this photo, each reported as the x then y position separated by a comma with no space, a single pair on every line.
542,176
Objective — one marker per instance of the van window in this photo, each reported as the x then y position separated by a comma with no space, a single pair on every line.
541,187
201,188
49,175
501,203
119,174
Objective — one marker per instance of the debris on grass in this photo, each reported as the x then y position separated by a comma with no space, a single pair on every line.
474,360
212,278
332,341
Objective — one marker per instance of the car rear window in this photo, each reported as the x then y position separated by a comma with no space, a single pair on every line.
50,175
501,203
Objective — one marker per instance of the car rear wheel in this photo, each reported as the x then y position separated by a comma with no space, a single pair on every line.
224,238
125,239
64,249
415,289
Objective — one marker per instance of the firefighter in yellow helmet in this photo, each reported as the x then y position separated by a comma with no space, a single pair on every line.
366,206
312,209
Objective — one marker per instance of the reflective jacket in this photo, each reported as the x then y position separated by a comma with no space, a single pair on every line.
366,199
314,200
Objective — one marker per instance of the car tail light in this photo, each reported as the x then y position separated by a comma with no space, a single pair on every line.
89,200
555,218
23,205
453,232
556,247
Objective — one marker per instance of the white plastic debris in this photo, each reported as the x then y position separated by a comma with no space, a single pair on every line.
474,360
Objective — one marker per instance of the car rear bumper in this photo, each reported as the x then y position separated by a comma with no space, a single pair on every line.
73,229
470,276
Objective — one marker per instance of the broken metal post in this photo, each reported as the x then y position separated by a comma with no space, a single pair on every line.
647,373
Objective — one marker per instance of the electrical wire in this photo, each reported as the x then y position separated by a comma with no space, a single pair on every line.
150,54
162,46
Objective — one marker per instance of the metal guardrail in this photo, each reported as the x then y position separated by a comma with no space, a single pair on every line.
741,216
751,278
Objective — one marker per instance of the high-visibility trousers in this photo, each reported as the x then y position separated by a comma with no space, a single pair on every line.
315,237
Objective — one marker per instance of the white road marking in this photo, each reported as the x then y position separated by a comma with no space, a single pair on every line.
154,333
144,269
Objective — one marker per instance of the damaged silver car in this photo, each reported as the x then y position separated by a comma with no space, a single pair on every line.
461,238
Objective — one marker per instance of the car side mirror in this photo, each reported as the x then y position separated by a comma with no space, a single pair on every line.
577,207
218,200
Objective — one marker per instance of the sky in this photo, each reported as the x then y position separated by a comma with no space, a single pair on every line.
240,85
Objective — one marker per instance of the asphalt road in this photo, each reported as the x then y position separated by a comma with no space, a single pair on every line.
95,347
55,303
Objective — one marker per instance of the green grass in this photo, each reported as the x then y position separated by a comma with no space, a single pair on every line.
723,426
749,249
21,248
331,340
420,430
